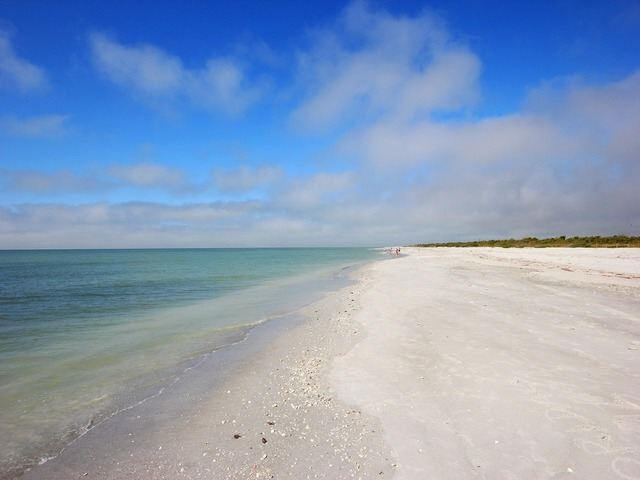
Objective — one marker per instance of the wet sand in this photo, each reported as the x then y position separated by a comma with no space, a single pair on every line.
444,363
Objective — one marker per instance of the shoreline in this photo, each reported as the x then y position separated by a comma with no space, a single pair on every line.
450,363
206,409
200,328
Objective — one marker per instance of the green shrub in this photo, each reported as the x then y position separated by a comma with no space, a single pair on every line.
613,241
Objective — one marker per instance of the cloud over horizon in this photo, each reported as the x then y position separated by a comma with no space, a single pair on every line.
407,154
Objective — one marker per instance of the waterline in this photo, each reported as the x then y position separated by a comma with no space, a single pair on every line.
75,348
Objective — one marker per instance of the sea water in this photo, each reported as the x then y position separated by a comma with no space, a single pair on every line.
85,332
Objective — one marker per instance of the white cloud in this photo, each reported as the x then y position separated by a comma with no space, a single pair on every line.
245,178
220,85
606,118
567,162
40,126
148,174
515,138
560,126
188,215
566,165
372,63
124,224
139,176
305,193
144,68
18,73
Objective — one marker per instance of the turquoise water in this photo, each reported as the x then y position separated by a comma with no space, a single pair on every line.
83,332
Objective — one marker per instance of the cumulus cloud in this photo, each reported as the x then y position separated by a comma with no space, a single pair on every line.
373,63
39,126
566,162
18,73
604,118
221,84
560,126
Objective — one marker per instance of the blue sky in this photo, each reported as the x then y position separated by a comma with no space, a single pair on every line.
278,123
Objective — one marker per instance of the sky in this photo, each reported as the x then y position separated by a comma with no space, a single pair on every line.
364,123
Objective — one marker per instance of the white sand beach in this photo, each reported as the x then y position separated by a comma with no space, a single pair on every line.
502,364
443,363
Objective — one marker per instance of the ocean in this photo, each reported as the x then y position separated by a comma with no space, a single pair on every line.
86,333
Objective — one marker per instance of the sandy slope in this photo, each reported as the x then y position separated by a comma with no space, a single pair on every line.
501,364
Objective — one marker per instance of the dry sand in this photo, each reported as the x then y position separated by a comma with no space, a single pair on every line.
443,364
502,364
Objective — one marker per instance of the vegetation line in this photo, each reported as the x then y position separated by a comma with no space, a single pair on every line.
614,241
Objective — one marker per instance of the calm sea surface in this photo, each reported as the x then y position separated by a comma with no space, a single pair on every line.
85,332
